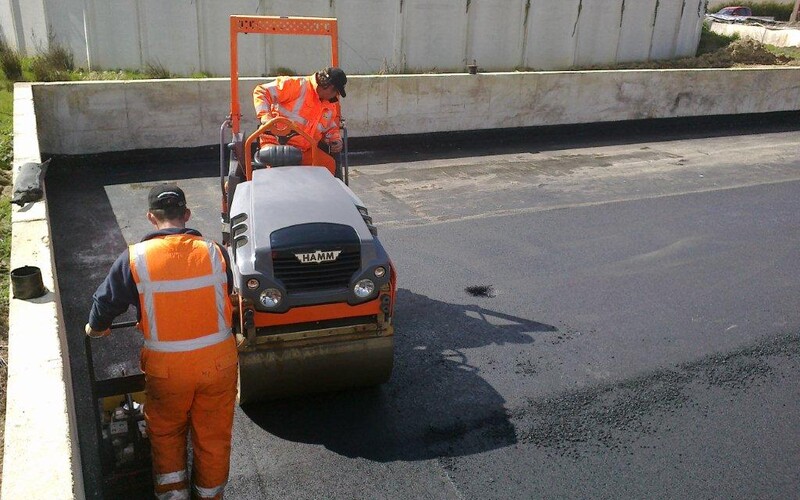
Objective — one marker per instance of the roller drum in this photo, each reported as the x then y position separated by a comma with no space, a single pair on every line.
267,373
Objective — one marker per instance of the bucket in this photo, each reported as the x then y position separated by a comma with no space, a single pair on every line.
26,282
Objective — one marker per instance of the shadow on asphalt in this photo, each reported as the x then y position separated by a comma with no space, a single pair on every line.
477,143
436,405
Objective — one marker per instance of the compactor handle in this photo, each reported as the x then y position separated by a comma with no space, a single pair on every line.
124,324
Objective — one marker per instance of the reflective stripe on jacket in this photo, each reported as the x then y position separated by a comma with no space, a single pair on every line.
296,98
183,292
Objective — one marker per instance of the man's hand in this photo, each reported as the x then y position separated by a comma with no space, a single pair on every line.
335,146
95,334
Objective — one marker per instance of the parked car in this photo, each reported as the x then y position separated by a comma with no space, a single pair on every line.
737,14
735,11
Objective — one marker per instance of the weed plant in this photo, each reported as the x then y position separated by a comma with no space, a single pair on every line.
156,70
56,64
10,62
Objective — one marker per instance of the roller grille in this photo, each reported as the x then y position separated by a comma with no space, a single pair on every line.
315,244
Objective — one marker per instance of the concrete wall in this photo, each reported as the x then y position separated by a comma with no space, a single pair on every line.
41,458
375,36
40,437
91,117
764,34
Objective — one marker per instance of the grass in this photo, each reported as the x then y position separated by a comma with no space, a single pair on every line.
790,52
710,41
6,158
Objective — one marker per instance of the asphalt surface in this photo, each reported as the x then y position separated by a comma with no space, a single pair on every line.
600,311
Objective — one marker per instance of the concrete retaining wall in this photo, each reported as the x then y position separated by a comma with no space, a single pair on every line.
41,458
40,436
92,117
375,36
780,37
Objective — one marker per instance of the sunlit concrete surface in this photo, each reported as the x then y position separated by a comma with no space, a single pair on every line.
92,117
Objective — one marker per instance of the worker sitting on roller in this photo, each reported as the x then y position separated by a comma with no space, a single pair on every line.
311,103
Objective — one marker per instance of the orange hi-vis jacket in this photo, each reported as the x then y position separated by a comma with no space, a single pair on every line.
176,298
189,360
296,98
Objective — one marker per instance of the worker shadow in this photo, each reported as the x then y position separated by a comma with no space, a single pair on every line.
438,402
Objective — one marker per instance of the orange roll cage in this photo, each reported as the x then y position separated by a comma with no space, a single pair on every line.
274,25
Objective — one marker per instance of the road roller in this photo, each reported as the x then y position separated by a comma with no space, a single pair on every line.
314,289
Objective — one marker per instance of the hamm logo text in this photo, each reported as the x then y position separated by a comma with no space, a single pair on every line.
318,257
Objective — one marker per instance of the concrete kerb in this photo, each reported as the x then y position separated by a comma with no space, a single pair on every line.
41,434
41,454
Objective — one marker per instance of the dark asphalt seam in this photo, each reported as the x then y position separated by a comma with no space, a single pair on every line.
612,416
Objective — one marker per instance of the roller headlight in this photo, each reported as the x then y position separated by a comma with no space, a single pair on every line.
270,297
364,288
379,272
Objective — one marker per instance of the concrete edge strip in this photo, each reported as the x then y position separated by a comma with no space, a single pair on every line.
40,428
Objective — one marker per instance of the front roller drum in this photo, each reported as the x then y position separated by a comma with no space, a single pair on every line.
267,373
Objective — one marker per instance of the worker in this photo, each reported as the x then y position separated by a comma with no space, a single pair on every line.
310,102
180,284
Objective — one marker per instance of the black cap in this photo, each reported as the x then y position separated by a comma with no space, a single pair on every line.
335,77
165,196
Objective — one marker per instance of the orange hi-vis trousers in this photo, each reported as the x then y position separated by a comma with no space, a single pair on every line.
191,391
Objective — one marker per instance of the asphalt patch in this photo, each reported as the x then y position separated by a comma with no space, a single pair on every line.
610,417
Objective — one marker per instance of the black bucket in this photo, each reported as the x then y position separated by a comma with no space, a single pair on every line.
26,282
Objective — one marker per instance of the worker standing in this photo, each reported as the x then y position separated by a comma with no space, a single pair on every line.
180,284
311,103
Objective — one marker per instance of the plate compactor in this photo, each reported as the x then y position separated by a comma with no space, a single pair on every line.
315,289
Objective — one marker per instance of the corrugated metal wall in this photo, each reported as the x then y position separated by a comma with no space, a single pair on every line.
389,36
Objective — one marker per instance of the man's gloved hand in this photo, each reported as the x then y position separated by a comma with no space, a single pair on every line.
95,334
335,146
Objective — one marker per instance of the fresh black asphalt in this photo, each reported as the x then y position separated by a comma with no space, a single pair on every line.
598,311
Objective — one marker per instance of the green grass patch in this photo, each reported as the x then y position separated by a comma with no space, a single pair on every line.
6,158
711,42
5,256
790,52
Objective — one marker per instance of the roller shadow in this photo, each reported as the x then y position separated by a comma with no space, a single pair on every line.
436,403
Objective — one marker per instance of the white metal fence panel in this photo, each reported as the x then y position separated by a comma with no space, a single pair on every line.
114,34
375,36
301,55
551,34
169,35
68,22
598,29
496,34
434,35
636,34
690,28
665,31
369,35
